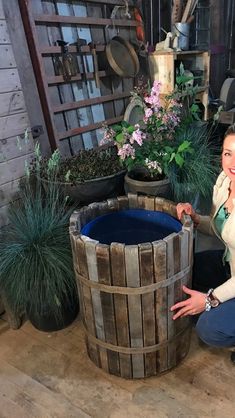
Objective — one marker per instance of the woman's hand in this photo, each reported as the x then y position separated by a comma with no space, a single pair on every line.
187,208
195,304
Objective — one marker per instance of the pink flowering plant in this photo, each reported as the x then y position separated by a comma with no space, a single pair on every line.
150,144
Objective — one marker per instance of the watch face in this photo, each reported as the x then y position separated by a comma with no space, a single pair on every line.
214,303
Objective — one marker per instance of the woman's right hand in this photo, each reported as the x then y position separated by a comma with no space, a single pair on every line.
187,208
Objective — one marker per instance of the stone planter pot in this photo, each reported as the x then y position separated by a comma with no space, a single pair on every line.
94,190
160,188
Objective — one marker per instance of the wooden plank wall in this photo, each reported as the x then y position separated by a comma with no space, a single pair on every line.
14,148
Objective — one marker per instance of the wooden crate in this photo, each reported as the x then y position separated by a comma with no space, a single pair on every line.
163,68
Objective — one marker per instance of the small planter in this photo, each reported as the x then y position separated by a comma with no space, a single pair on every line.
160,188
48,321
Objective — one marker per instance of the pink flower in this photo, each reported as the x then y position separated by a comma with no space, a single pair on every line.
137,136
153,100
147,114
156,87
126,151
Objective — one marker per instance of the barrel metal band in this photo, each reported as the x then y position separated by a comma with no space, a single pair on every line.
133,290
135,350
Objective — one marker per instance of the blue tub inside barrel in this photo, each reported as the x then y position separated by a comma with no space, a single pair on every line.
131,227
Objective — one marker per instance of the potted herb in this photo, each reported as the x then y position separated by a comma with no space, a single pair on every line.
91,175
36,267
164,150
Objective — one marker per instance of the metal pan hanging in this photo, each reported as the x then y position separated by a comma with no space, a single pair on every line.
122,57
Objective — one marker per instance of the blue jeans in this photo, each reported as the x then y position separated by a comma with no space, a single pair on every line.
216,327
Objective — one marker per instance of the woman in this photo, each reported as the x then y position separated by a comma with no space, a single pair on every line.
213,294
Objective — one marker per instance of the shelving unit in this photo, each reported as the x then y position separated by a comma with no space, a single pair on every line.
163,65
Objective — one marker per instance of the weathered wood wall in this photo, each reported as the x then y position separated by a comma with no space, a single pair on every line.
15,149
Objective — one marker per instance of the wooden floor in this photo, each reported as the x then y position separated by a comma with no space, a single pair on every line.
49,375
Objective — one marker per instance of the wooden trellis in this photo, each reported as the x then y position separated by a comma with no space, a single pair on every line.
76,109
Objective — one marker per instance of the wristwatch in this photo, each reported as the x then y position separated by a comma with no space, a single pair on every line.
211,300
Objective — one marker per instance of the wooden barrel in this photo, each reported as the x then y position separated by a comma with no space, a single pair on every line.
126,292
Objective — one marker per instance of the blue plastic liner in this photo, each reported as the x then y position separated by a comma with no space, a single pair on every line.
131,227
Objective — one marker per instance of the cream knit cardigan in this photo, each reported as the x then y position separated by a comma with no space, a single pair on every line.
225,291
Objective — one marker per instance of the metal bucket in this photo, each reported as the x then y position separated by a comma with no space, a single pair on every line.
182,30
122,57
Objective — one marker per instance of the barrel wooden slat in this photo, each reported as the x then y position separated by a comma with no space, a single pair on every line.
170,298
177,250
104,276
94,207
148,306
90,247
103,208
117,253
133,200
75,254
146,202
134,308
160,274
183,323
73,227
188,226
83,217
158,204
113,205
123,202
86,299
164,205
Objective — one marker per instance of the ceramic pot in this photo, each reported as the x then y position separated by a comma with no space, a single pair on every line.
160,188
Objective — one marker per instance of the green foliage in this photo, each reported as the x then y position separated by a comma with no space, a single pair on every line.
35,252
177,153
185,91
200,166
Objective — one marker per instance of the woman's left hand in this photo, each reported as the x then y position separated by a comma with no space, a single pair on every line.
195,304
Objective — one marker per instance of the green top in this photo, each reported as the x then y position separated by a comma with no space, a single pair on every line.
220,220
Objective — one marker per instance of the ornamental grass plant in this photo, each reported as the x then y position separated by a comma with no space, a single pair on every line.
36,266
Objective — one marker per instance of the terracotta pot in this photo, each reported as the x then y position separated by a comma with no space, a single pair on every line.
160,188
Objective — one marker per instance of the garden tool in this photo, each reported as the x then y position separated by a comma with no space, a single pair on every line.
95,63
176,13
58,66
81,42
140,35
189,10
69,64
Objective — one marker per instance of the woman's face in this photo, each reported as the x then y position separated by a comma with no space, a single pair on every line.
228,156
